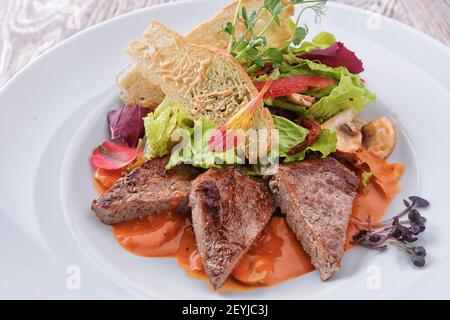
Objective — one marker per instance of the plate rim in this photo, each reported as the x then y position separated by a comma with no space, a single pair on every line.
81,33
125,16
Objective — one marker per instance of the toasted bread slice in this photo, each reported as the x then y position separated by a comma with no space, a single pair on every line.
204,81
135,89
211,32
317,198
229,211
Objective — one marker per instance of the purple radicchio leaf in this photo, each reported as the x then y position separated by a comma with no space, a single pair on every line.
337,55
127,124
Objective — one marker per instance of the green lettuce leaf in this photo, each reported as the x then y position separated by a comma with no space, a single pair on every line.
159,126
346,95
322,41
349,91
282,103
193,147
290,134
300,67
325,144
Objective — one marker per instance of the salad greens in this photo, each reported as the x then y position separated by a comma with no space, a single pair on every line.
348,92
159,126
346,95
323,56
169,126
322,41
194,148
126,124
325,144
336,55
251,46
290,134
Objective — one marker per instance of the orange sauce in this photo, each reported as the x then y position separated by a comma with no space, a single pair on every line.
276,257
105,179
374,199
153,236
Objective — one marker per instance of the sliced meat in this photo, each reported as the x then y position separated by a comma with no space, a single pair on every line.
229,211
146,190
317,198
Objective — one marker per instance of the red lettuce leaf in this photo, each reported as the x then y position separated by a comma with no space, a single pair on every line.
127,124
337,55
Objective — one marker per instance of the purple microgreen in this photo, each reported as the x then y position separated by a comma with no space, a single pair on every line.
406,203
416,202
419,202
396,232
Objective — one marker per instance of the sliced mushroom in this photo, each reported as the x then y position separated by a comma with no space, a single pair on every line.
349,137
379,137
301,99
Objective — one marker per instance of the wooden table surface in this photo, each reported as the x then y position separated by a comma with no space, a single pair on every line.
30,27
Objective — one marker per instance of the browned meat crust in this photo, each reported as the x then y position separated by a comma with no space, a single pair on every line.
229,211
146,190
317,198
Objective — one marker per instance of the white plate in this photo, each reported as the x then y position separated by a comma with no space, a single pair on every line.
54,113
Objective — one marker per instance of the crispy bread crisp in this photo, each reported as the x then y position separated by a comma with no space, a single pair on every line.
135,89
210,32
203,80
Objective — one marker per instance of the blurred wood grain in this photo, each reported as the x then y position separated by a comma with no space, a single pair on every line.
30,27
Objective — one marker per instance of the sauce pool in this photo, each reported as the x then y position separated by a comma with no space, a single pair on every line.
276,257
374,199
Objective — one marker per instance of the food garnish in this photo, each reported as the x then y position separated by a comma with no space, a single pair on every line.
295,84
225,136
127,123
337,55
251,47
314,132
396,232
213,86
291,134
113,155
349,93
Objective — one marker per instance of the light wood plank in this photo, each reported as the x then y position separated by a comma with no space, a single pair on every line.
429,16
30,27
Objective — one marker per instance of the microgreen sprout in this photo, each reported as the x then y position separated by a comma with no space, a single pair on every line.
396,232
250,47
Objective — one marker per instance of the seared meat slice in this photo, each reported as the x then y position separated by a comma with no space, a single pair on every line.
146,190
229,211
317,198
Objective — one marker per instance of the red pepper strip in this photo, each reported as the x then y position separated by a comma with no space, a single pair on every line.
295,84
114,155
